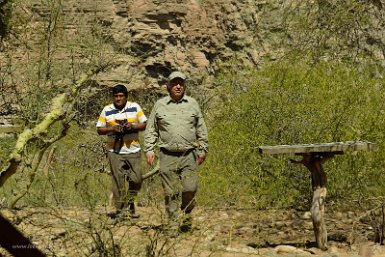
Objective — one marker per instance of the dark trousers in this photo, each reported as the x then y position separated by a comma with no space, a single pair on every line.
126,179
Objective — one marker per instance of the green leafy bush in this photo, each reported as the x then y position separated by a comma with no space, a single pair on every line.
285,103
293,103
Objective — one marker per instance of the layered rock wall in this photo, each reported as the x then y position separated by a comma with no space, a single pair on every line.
149,38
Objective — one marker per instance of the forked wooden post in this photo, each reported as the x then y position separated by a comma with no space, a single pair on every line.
313,156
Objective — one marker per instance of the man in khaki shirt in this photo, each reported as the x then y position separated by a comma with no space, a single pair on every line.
176,124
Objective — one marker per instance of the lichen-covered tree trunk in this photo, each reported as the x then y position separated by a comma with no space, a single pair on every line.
61,110
37,157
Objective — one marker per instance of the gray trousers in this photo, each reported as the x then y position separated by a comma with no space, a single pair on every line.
178,172
126,179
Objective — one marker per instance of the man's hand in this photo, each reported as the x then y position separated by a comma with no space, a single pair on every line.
150,158
127,126
201,158
117,128
120,128
106,130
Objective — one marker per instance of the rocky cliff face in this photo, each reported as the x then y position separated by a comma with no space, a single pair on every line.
188,34
149,38
191,35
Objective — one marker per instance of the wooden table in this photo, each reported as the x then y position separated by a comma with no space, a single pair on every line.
313,156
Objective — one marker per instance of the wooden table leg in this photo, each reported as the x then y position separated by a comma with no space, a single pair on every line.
317,213
314,161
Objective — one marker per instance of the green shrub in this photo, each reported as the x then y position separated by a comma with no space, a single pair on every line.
76,175
285,103
293,103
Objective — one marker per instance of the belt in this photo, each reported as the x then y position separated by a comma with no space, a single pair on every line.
186,152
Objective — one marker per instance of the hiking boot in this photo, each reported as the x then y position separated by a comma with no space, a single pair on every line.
114,217
131,211
134,215
186,225
113,214
118,215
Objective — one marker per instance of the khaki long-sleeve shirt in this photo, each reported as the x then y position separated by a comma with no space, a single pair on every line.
176,126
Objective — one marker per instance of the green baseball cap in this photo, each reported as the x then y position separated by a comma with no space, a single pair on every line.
176,74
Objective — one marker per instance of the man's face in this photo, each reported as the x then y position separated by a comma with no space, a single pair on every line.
120,100
176,88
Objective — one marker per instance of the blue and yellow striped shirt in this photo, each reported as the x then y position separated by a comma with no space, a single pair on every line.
111,116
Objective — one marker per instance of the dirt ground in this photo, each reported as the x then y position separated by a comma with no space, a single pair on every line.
89,232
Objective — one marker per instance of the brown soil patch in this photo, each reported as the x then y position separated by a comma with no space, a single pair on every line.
84,232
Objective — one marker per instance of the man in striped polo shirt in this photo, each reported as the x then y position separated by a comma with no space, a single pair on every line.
121,121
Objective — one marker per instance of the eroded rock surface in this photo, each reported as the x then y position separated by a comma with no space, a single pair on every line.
149,38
